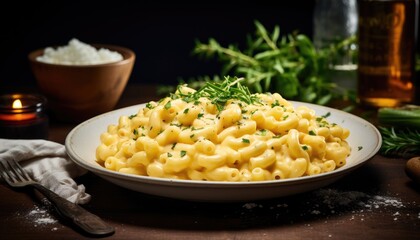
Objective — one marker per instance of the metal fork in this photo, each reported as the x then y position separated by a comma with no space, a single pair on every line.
16,176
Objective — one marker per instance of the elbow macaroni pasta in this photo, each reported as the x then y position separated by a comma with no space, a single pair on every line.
268,140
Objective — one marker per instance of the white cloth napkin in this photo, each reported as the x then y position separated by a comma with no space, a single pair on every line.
48,163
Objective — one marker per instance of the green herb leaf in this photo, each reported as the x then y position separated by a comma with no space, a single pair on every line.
167,105
149,105
326,115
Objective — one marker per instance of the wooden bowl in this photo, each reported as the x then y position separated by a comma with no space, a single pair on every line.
78,92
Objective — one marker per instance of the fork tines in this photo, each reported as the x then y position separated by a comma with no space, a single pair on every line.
12,172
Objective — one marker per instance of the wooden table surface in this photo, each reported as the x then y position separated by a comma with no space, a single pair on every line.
376,201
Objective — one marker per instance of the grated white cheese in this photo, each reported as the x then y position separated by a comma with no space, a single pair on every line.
78,53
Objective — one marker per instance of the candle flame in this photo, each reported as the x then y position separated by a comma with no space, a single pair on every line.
17,104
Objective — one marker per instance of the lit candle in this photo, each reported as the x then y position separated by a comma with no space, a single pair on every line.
22,116
17,113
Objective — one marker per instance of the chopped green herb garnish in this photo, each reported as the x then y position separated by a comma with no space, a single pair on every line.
311,132
359,148
149,105
183,153
263,132
175,124
169,155
173,146
135,132
132,116
245,140
168,105
304,147
326,115
276,103
200,115
186,110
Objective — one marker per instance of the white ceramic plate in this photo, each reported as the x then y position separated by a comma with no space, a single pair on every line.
82,141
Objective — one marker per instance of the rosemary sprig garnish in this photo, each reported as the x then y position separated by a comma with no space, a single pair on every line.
400,142
220,92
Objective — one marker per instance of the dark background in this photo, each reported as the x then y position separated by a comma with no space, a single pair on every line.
162,35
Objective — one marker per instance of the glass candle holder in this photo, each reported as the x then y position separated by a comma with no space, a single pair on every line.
22,116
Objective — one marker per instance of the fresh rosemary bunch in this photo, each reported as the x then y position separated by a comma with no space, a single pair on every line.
289,65
400,142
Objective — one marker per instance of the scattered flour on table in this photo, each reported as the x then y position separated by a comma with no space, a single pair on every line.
331,201
333,198
251,205
40,217
78,53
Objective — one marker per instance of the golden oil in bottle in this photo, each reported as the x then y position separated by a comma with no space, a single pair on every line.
387,46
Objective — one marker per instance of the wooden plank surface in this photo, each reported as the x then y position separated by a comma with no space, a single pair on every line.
376,201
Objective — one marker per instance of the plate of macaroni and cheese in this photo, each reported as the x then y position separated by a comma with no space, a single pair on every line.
222,143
